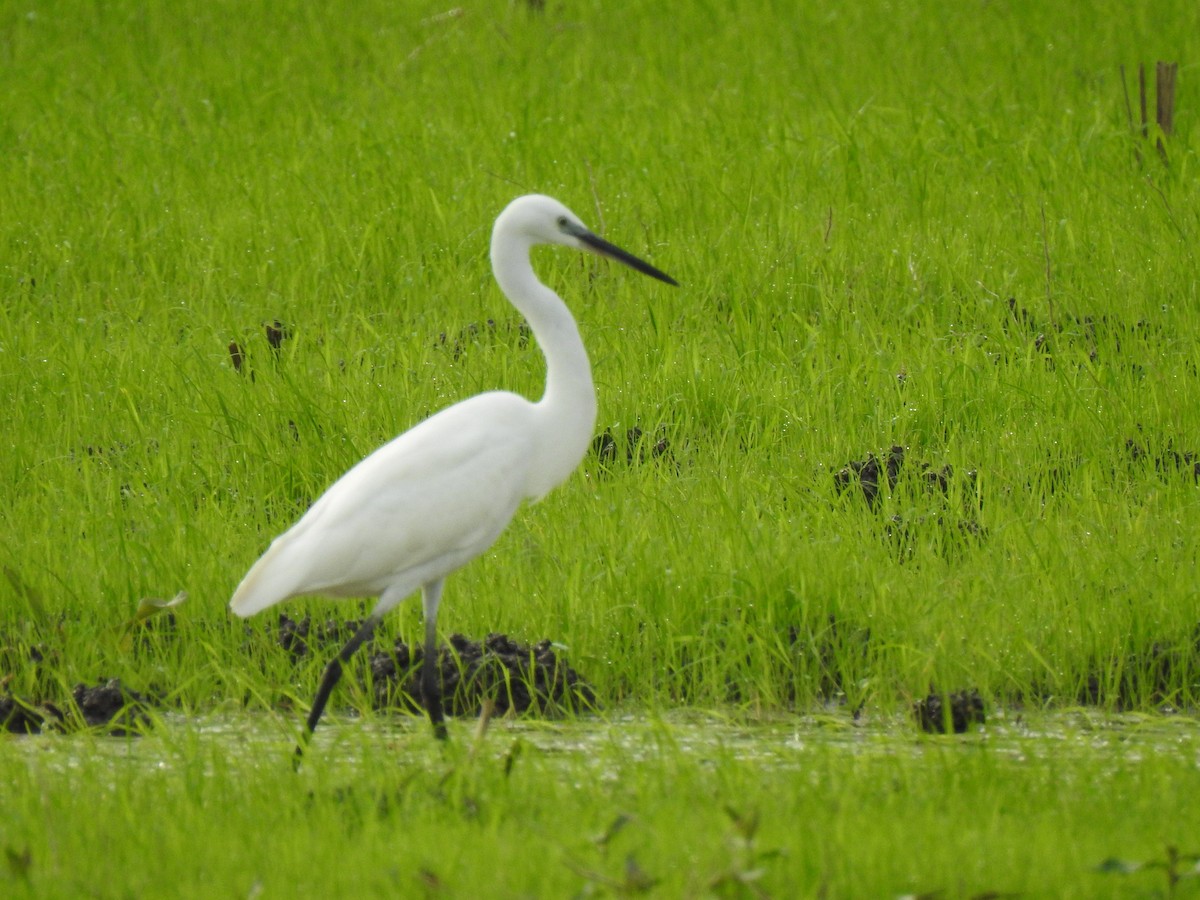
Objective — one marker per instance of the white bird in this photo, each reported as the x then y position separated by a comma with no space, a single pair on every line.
439,495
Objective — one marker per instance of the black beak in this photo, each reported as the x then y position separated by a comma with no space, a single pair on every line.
604,248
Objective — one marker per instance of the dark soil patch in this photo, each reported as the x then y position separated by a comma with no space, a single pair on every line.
950,525
635,446
865,473
1140,452
107,706
942,713
1165,459
17,717
237,356
521,678
1077,331
1155,675
274,331
112,706
831,650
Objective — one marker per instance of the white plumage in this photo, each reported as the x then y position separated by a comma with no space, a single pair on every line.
440,494
385,523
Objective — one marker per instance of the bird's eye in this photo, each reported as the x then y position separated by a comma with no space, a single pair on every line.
562,222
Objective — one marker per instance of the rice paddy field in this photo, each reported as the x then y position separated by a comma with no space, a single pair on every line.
915,445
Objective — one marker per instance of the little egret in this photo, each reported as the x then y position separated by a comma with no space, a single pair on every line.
439,495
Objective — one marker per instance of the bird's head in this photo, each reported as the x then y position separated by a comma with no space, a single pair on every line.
543,220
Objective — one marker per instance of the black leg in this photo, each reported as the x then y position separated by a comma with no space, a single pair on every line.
431,679
431,683
333,673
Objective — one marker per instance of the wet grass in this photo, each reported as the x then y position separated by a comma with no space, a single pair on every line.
686,806
235,260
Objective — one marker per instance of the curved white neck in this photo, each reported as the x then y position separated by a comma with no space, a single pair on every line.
567,410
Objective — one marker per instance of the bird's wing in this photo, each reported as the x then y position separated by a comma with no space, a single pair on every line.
414,510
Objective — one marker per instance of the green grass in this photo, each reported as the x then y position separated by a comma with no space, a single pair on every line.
930,228
699,807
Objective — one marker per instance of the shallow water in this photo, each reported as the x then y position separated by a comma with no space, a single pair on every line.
777,741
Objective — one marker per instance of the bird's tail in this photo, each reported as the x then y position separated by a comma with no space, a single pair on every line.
262,587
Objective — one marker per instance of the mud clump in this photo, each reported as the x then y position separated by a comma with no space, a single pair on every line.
942,713
107,706
112,706
18,717
632,448
275,331
866,474
928,485
1075,333
1167,459
520,678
